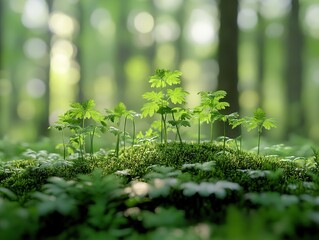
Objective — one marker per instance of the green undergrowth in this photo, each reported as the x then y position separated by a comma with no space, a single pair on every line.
159,191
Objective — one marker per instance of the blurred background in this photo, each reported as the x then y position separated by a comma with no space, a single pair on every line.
54,52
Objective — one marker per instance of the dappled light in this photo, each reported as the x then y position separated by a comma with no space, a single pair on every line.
102,21
159,119
35,14
74,50
167,29
26,110
143,22
36,88
275,30
35,48
247,19
201,29
272,9
62,24
168,5
312,21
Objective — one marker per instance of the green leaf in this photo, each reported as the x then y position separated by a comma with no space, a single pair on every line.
269,123
154,96
259,114
163,217
173,78
177,95
149,109
120,109
157,80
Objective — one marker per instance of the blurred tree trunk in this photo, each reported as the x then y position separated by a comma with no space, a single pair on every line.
2,98
260,55
44,120
295,111
228,56
180,42
1,34
124,46
79,51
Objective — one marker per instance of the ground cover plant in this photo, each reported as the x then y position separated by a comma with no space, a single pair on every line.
159,186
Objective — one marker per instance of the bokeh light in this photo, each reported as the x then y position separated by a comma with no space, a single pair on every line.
61,24
168,5
26,110
312,20
35,14
35,88
247,19
101,20
167,29
272,9
202,29
35,48
144,22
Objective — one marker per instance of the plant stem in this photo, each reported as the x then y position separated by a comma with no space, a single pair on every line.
91,140
211,132
198,133
164,128
64,147
117,146
162,132
133,134
177,129
124,130
224,142
259,136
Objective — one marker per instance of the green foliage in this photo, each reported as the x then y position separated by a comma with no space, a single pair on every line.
115,116
75,120
146,190
209,108
259,121
164,101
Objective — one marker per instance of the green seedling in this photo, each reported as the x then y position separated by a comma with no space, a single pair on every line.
115,116
180,118
76,119
165,98
227,119
259,121
61,125
209,108
236,122
131,115
200,116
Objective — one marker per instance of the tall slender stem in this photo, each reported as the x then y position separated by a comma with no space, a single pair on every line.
133,134
198,133
258,147
177,129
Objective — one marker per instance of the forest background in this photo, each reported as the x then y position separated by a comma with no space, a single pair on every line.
264,53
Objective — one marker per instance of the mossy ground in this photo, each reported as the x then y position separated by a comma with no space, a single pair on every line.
233,194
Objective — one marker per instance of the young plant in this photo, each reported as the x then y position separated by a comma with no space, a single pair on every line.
61,125
76,119
115,116
199,114
259,121
210,107
130,115
235,122
180,118
227,119
165,98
